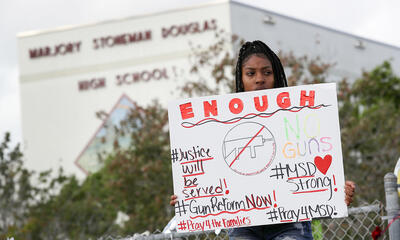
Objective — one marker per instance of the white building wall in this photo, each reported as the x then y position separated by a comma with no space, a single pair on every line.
59,119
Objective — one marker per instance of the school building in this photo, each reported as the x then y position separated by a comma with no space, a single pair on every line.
69,74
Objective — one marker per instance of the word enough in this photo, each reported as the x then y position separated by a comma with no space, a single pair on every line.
236,105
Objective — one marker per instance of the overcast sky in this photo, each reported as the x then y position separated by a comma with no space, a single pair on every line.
376,20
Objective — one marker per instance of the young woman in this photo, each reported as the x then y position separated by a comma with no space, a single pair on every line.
259,68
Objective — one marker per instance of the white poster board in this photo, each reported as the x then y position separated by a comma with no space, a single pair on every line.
255,158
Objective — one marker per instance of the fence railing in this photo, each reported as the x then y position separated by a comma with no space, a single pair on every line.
360,223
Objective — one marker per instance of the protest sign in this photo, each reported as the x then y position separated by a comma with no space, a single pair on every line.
254,158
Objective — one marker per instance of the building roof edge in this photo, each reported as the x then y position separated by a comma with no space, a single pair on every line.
317,25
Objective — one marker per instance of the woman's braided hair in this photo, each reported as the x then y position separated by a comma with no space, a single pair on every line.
259,49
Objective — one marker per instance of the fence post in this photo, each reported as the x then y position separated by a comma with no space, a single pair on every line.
392,205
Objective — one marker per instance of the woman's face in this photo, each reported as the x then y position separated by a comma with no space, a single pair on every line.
257,73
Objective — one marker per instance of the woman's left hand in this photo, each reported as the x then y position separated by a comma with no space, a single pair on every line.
349,188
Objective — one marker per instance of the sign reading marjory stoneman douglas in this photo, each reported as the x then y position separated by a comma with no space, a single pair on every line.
255,158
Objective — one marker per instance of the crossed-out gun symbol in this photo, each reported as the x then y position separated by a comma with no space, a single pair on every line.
236,145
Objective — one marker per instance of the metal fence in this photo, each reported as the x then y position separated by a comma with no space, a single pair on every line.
360,223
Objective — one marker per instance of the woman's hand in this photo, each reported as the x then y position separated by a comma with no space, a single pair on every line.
349,188
173,200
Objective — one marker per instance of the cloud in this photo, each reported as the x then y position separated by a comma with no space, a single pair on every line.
10,111
366,18
381,25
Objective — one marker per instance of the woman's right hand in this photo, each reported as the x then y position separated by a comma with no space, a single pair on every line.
173,200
